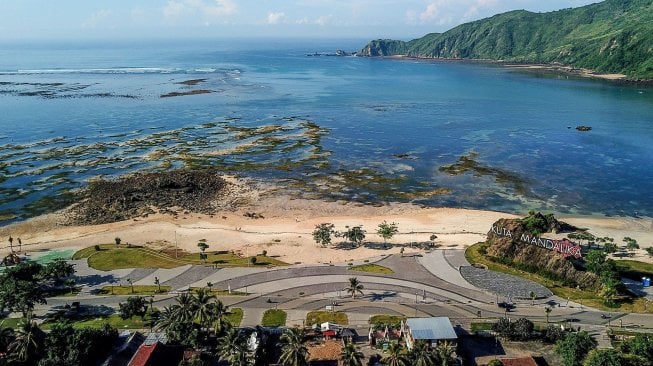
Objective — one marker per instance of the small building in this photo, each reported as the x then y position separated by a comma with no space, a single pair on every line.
431,330
325,354
155,352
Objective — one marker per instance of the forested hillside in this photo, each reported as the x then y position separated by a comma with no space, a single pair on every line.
614,36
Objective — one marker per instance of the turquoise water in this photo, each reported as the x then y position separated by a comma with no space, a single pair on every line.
74,112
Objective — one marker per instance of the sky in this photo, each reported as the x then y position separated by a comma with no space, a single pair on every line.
138,19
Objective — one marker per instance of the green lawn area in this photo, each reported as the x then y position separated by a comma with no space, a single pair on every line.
588,298
372,268
235,316
114,320
481,327
319,317
110,257
231,260
634,269
218,292
274,318
137,290
10,322
384,319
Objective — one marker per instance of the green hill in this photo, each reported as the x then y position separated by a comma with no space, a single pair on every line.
614,36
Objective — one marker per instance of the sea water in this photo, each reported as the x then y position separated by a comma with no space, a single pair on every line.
353,128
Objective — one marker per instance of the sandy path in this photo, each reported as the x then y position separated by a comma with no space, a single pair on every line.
286,226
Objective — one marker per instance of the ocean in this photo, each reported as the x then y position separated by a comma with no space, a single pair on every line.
454,134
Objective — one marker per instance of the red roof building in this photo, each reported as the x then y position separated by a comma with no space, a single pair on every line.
157,354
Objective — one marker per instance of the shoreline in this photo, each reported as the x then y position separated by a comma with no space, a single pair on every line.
285,228
537,67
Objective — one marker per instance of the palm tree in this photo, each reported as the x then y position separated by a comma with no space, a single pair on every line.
395,356
443,351
11,243
167,318
185,307
6,338
29,341
547,311
350,356
293,349
232,347
354,287
202,305
218,314
421,355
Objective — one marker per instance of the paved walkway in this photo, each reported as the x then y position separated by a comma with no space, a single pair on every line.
439,263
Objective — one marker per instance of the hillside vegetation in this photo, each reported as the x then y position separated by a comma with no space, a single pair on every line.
613,36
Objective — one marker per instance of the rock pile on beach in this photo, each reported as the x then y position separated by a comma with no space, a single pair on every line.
141,194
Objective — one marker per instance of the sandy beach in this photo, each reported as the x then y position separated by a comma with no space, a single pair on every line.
285,228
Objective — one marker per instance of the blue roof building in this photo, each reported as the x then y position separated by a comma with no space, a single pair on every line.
431,330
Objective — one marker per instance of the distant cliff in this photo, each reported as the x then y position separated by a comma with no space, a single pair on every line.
613,36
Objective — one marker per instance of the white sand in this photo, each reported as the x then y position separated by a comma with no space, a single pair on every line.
285,231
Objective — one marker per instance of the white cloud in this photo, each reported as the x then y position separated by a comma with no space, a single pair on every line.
321,21
474,9
96,18
431,12
211,9
276,18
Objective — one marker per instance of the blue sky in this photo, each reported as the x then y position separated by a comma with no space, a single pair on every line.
120,19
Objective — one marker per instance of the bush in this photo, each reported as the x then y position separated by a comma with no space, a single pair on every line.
135,305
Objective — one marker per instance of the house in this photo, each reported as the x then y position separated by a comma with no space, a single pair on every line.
431,330
128,344
155,352
325,354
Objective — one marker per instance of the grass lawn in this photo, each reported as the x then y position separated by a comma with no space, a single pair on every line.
114,320
274,318
138,290
634,270
218,292
319,317
384,319
231,260
235,316
10,322
372,268
110,257
587,298
481,326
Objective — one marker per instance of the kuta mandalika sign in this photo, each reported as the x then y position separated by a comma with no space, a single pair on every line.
564,246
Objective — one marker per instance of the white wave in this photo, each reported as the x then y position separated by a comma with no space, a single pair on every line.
117,70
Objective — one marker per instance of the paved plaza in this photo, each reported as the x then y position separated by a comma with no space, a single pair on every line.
429,284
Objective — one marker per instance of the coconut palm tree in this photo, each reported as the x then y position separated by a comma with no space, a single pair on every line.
547,311
395,357
232,347
202,303
6,338
218,313
354,287
185,307
28,342
167,318
351,356
421,355
444,351
293,349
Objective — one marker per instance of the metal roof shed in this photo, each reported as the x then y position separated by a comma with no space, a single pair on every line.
438,328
